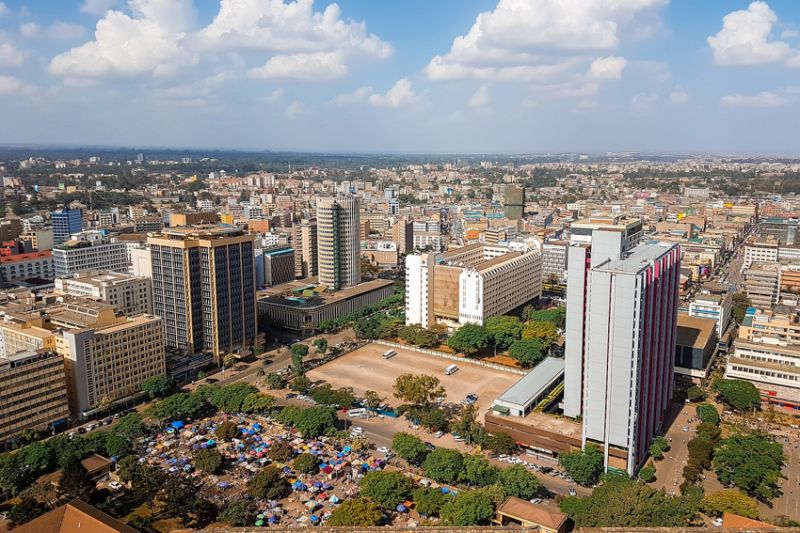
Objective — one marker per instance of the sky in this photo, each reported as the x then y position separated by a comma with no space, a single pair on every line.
410,76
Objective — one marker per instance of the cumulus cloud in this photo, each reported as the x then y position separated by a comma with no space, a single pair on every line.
678,96
11,86
296,109
544,35
762,99
10,56
148,42
273,97
480,98
316,66
359,95
644,101
401,93
607,68
746,38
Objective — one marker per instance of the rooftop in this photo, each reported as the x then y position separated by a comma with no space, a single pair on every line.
527,389
639,258
75,517
529,512
695,331
25,257
296,293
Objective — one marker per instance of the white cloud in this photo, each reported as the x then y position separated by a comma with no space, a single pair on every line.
607,68
11,86
526,34
317,66
678,96
10,56
147,43
296,109
97,7
359,95
746,38
57,30
644,101
273,97
762,99
401,93
3,9
655,70
480,98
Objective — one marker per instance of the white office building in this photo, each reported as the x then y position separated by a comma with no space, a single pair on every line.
89,250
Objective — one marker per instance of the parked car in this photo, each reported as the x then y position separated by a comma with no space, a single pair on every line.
114,485
572,491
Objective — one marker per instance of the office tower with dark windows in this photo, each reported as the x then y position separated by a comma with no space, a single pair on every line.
66,222
338,241
204,288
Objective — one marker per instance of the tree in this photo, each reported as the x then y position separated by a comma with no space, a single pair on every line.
708,431
707,414
367,327
327,395
730,501
157,386
360,512
373,399
695,394
519,482
409,447
274,381
117,445
555,315
230,360
478,471
528,353
230,398
648,474
257,402
387,489
504,329
227,430
468,508
752,463
419,390
470,338
238,514
75,481
658,446
306,463
434,419
500,442
281,451
620,502
466,424
130,426
208,460
269,484
301,384
415,334
739,304
25,511
37,456
700,452
739,394
428,501
311,421
321,345
444,465
585,466
179,406
547,332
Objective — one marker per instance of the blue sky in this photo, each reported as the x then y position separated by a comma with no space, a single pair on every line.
489,76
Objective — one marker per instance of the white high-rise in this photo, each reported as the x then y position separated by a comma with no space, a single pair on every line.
338,241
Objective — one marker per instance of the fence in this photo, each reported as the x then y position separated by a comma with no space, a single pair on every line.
451,357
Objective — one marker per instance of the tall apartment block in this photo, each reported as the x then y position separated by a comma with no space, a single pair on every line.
622,358
338,242
204,287
34,392
66,222
514,205
304,242
89,250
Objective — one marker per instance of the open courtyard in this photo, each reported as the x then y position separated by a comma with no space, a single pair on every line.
366,369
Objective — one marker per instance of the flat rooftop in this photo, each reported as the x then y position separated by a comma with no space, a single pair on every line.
530,387
489,263
551,424
695,331
638,259
291,294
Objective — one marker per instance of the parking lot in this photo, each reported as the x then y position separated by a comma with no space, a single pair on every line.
366,369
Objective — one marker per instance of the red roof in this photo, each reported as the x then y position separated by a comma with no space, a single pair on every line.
25,257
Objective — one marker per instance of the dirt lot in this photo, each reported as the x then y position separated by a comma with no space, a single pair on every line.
365,369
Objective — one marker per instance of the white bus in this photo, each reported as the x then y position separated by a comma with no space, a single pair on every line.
452,369
357,412
388,354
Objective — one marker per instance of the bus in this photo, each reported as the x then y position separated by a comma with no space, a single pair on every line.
452,369
388,354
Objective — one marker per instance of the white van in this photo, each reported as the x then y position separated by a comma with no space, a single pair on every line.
357,412
388,354
452,369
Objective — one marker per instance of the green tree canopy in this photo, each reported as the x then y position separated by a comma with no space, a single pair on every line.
428,501
477,471
739,394
227,430
585,466
269,484
547,332
519,482
321,345
208,460
729,501
238,514
528,353
311,421
415,334
257,402
409,447
500,442
157,386
274,381
418,390
444,465
739,304
708,414
750,462
468,508
387,489
306,463
359,512
504,329
470,338
555,315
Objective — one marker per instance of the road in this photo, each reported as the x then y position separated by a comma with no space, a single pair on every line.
669,471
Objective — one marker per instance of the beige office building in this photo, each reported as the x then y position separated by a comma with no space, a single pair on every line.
33,392
132,295
304,242
338,242
16,337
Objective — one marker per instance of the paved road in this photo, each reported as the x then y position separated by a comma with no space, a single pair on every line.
669,471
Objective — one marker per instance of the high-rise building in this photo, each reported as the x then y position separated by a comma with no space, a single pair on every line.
304,242
89,250
204,287
338,242
129,294
278,265
626,347
514,206
65,222
34,392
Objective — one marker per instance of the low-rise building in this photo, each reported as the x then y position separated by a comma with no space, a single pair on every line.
132,295
773,367
24,266
714,306
695,344
762,283
89,250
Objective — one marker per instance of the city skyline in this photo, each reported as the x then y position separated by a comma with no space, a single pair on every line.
471,77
